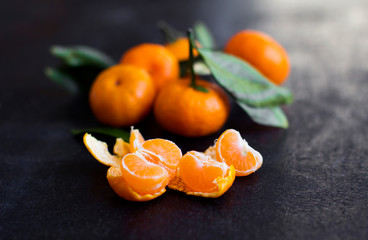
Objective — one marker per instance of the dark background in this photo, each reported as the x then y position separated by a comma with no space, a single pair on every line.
314,180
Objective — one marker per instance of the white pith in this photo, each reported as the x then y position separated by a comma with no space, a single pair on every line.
140,155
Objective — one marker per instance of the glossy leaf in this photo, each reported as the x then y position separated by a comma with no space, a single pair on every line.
73,79
244,82
63,79
169,33
79,56
204,35
112,132
271,116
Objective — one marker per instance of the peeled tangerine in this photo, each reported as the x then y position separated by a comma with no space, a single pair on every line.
141,170
232,149
200,175
130,175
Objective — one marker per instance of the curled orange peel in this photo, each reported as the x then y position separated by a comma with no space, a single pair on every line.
115,178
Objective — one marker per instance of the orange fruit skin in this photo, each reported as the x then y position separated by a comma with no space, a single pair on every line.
180,49
121,95
183,110
120,186
261,51
159,62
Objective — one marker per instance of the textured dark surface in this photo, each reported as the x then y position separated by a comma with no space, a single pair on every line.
314,180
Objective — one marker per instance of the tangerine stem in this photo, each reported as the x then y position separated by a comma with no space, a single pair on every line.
193,83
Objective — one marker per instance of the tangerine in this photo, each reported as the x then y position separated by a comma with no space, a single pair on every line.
159,62
200,175
143,176
261,51
121,95
181,109
180,48
162,152
232,149
130,175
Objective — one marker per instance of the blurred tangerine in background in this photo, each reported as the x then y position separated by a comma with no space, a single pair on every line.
122,95
261,51
180,48
158,61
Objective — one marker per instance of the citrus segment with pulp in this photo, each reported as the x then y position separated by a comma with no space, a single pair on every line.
200,175
232,149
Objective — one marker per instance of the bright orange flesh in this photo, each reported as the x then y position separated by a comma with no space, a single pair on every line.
143,176
199,172
232,149
136,139
169,152
120,186
159,62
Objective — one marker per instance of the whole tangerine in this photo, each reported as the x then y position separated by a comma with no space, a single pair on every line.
180,48
159,62
184,110
122,95
261,51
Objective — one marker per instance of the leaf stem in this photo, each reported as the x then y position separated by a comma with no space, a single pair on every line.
193,83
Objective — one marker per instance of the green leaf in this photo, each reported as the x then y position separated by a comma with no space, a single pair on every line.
63,79
243,81
113,132
272,116
73,79
169,33
204,35
79,56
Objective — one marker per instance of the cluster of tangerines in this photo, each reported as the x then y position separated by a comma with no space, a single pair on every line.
148,77
142,169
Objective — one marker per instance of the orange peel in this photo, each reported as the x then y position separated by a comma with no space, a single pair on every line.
123,190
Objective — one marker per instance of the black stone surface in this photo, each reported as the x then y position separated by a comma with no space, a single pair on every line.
314,180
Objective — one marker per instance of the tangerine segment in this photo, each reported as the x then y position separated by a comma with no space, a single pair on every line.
232,149
168,152
121,148
120,186
200,175
143,176
136,139
100,152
